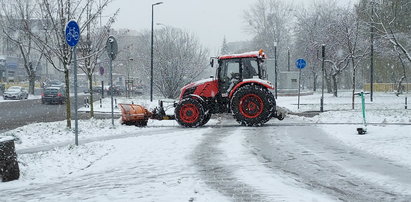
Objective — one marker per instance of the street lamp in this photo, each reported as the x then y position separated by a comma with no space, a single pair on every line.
128,78
152,44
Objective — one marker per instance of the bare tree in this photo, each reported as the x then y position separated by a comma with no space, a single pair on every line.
17,23
54,16
390,19
270,21
338,28
394,38
178,60
92,47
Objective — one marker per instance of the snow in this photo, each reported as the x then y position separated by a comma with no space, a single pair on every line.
261,177
158,154
6,138
31,97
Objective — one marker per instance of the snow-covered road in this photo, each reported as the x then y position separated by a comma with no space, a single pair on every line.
299,159
322,163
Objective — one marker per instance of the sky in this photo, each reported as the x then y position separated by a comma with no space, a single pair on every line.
209,20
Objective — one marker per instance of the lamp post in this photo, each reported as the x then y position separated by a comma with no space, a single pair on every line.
128,78
372,52
275,68
152,44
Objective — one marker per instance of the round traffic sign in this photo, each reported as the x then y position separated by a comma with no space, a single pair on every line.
300,63
112,47
72,33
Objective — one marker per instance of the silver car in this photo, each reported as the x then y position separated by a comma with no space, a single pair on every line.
15,92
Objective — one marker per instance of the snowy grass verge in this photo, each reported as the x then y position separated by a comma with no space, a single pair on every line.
153,167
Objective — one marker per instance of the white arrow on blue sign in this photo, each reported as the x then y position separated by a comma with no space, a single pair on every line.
72,33
300,63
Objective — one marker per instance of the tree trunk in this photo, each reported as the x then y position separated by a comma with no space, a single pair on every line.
328,83
91,100
335,87
32,80
9,167
68,105
353,86
404,75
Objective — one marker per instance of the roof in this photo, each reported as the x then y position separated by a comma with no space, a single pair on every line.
253,54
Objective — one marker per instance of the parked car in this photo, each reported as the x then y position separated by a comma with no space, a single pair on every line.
54,83
15,92
117,90
138,90
53,95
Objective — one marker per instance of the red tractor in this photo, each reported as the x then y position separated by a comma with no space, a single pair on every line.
239,88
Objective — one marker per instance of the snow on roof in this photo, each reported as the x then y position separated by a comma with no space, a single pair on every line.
252,54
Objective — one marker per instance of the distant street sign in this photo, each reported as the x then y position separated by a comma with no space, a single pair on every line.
72,33
112,47
300,63
101,70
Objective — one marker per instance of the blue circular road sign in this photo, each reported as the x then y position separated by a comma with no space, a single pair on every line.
300,63
72,33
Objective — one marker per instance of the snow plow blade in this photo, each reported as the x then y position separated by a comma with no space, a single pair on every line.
132,114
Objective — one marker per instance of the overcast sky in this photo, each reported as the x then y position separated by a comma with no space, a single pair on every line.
209,20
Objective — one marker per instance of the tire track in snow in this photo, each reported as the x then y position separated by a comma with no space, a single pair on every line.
227,165
308,155
208,159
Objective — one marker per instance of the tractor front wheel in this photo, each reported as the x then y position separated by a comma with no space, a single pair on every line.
252,105
190,112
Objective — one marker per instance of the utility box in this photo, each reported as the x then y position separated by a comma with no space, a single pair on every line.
288,80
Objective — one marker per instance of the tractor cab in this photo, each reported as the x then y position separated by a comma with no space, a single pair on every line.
233,69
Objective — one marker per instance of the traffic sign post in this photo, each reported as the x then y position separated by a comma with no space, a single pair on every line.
112,49
72,38
300,64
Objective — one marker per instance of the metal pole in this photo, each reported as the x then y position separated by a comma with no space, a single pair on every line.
111,87
75,96
152,44
372,53
299,88
322,80
102,89
288,59
275,69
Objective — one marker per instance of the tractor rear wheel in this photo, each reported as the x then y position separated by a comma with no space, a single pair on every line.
190,112
252,105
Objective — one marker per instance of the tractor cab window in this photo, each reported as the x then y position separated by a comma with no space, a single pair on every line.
229,74
250,68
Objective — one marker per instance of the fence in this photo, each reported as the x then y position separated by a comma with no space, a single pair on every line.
387,87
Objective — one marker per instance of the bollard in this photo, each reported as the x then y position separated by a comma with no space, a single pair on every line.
321,105
406,103
101,103
115,103
86,104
